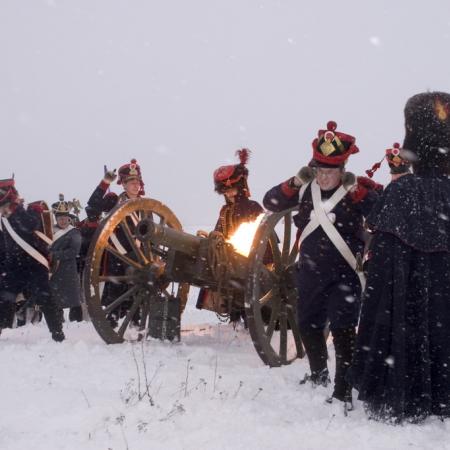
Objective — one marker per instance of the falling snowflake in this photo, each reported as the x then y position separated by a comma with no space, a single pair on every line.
390,361
375,41
350,298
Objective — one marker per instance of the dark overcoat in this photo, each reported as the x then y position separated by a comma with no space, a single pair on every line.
21,273
65,280
401,366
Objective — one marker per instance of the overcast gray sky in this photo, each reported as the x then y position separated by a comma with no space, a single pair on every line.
180,85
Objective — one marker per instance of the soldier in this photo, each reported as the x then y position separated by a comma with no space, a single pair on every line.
130,177
231,182
25,265
65,281
332,206
401,366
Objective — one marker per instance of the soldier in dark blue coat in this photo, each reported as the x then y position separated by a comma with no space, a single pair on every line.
25,265
401,366
332,206
130,177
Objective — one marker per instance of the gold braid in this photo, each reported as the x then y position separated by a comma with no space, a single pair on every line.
226,220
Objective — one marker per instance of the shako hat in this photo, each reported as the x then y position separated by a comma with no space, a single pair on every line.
396,159
131,171
332,148
226,177
61,207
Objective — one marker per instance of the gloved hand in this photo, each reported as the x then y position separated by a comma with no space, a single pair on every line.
369,184
362,188
348,180
109,176
303,176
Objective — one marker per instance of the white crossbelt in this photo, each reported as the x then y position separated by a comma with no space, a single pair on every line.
323,217
61,232
114,239
327,206
43,236
120,248
22,243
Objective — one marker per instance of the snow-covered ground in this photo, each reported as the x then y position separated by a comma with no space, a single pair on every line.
211,391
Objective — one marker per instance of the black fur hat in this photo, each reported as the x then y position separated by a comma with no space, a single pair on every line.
427,138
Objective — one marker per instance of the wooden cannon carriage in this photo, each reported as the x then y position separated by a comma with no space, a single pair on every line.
159,262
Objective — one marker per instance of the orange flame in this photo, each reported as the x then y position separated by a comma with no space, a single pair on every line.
242,238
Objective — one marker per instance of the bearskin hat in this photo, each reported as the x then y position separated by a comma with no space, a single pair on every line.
131,171
8,191
332,148
427,127
226,177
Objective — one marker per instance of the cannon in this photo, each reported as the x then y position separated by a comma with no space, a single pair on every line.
159,262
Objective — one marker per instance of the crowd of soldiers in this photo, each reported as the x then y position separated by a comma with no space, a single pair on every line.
44,268
394,284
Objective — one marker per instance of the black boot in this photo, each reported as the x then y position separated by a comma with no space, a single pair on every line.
75,314
58,336
54,317
7,310
316,350
321,378
344,345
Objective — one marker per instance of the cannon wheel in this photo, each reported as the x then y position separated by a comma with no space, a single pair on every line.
137,263
271,302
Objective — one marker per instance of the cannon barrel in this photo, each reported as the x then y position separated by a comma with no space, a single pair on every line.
147,230
197,248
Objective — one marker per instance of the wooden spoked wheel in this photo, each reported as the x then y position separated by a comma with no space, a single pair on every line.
129,270
271,293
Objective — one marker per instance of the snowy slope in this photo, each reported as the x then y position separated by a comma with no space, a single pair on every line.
211,391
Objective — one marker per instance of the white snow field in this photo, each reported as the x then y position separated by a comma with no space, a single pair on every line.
210,391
